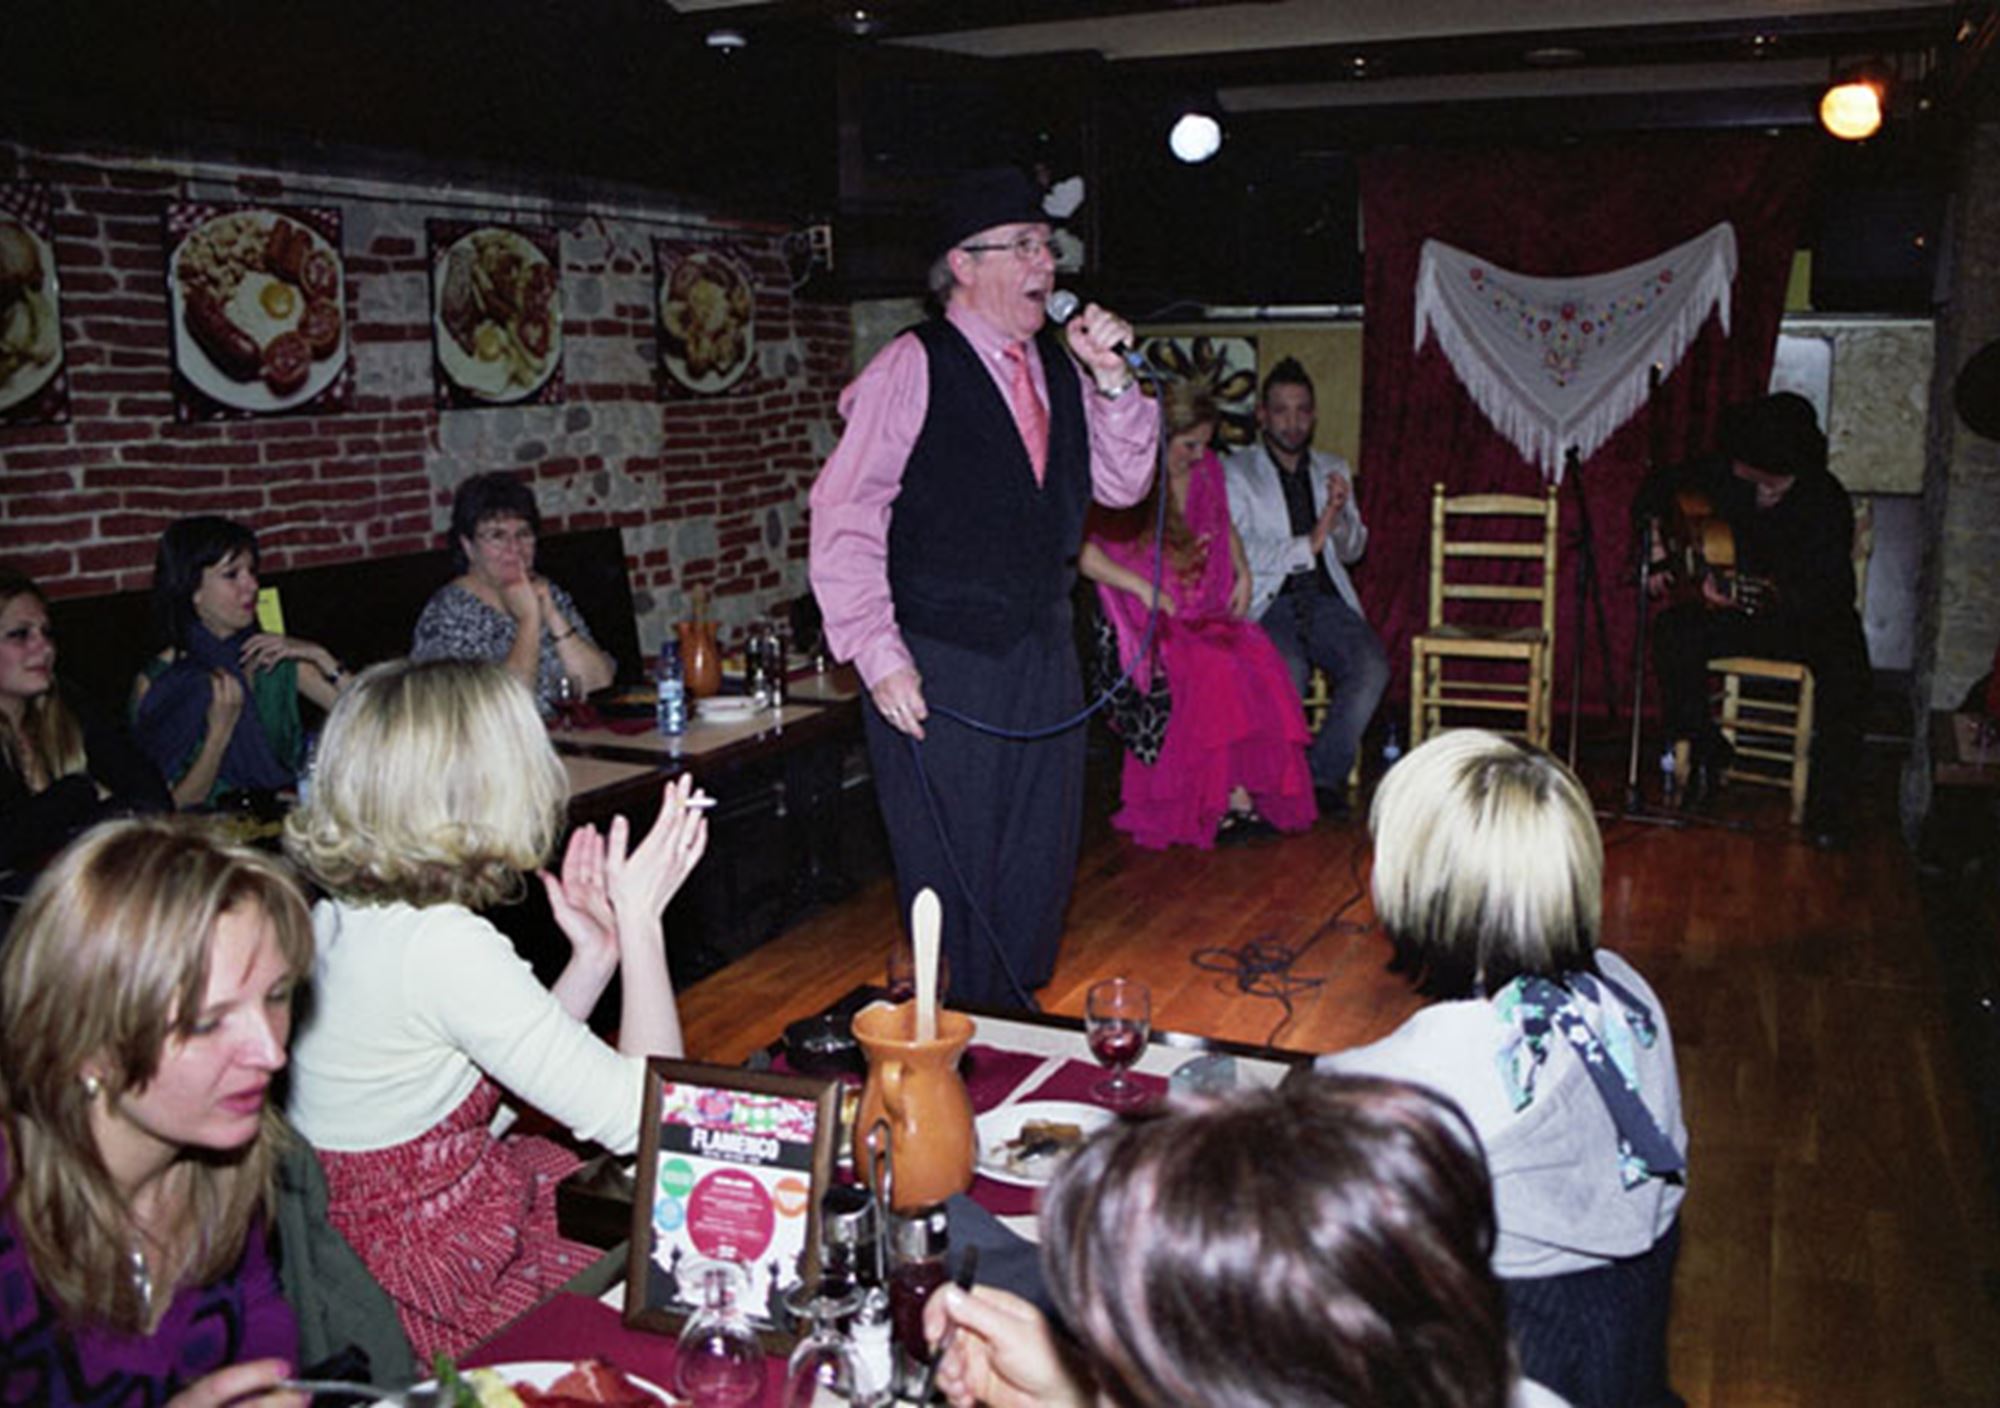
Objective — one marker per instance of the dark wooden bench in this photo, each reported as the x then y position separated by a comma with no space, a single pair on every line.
363,611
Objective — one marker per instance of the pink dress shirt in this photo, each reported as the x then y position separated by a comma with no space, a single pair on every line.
851,501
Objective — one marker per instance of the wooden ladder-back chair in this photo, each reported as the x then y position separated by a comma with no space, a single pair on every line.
1461,531
1765,706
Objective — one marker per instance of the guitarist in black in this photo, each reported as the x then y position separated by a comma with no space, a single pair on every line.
1789,596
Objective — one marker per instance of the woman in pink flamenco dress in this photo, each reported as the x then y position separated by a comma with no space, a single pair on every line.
1234,757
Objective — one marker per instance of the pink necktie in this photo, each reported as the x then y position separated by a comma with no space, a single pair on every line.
1031,418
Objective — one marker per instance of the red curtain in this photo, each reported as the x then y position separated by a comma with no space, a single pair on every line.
1575,210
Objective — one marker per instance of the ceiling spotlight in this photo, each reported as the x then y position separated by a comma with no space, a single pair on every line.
859,22
1852,107
1195,137
726,41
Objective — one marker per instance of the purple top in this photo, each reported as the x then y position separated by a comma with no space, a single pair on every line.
240,1317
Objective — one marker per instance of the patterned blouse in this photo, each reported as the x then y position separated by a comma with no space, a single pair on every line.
456,625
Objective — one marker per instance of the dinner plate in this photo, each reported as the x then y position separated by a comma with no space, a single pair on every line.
725,708
727,279
466,371
209,379
997,1126
29,379
541,1373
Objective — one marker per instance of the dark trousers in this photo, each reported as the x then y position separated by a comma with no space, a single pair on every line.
1319,628
1599,1337
1687,637
1011,811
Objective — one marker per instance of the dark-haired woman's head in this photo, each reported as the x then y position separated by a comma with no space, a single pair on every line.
1488,865
493,515
1328,1242
205,573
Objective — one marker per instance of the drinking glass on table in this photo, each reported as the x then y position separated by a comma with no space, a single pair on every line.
567,699
1117,1019
718,1362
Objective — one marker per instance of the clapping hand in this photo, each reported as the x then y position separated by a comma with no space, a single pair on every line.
640,883
580,902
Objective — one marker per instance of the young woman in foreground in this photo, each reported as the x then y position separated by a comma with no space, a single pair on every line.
145,999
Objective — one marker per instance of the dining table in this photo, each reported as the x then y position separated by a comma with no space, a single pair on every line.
1016,1060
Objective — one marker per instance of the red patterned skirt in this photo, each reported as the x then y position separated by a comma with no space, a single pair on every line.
458,1226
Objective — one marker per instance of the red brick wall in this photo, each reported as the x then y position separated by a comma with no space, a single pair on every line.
708,491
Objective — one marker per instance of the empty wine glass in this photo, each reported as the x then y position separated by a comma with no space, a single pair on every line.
718,1363
1117,1019
824,1368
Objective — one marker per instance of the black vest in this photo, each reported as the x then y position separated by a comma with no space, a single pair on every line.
979,555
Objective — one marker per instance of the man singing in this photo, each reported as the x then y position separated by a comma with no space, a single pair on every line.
945,529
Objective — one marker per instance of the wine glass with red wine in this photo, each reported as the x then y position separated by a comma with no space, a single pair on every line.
567,700
1117,1019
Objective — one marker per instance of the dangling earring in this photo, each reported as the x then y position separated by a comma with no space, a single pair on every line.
92,1086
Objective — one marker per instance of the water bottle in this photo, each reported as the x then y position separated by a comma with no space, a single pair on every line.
1667,773
1392,747
671,713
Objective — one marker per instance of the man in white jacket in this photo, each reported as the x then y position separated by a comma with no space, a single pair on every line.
1294,509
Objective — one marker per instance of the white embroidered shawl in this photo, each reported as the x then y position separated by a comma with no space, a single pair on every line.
1561,362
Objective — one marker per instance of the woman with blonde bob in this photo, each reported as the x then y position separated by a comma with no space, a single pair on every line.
434,790
145,999
1488,881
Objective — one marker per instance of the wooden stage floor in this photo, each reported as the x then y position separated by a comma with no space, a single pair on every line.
1841,1242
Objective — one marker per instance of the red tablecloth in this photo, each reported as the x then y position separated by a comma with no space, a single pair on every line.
575,1327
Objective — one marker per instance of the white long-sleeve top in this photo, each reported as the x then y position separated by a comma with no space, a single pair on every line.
409,1007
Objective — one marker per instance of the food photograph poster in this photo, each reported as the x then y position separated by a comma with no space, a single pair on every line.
707,305
34,386
258,300
496,313
733,1181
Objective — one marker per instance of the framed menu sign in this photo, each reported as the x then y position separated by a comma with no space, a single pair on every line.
732,1164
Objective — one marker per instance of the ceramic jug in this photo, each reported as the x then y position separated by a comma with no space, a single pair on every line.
916,1087
700,658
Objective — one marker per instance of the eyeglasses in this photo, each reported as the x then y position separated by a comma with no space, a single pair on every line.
21,635
522,536
1026,248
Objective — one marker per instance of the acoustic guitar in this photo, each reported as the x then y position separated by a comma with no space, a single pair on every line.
1701,547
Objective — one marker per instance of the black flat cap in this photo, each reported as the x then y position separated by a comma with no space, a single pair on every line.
1778,434
980,200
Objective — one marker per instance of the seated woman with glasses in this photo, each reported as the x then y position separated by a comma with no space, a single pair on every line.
145,999
498,608
1489,883
1323,1243
1233,762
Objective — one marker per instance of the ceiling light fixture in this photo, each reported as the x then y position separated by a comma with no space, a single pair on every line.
727,41
1852,108
1195,137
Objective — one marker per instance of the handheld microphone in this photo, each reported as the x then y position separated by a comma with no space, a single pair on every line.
1062,305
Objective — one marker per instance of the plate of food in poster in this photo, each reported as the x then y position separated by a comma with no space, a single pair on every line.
496,313
31,347
708,315
259,302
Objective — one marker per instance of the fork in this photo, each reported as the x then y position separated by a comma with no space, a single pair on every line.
424,1397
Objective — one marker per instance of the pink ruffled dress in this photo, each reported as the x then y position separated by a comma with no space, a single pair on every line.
1236,718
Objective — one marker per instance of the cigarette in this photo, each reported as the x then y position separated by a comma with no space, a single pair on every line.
699,802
